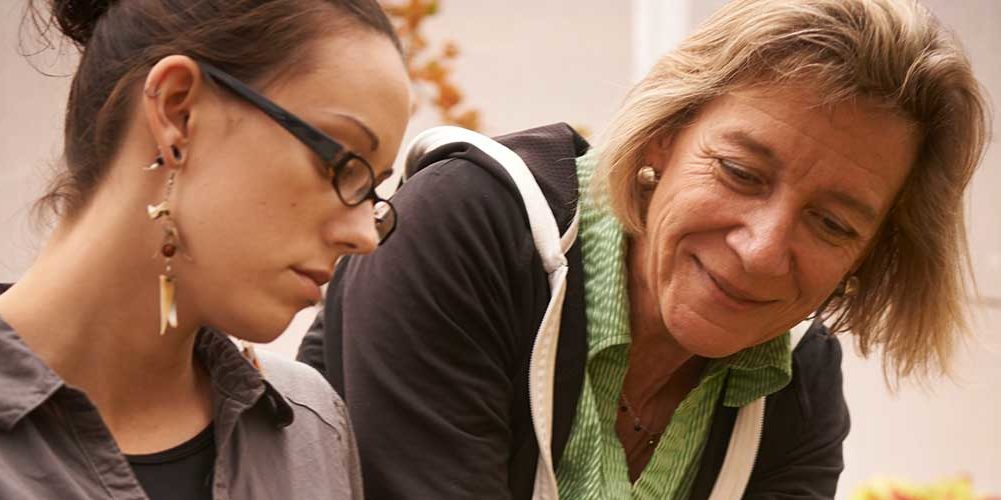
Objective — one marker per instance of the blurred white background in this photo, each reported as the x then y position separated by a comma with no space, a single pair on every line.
531,62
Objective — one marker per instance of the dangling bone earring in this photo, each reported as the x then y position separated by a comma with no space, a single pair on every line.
647,177
168,304
171,239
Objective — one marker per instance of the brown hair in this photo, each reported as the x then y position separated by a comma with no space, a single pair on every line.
913,281
253,40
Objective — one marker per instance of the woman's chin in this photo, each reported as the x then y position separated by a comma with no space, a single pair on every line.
703,338
261,327
710,348
263,337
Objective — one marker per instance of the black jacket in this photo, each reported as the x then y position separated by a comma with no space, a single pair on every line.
428,340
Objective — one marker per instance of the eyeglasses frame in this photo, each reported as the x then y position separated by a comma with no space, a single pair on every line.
331,152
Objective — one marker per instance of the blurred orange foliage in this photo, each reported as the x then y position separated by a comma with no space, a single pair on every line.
431,71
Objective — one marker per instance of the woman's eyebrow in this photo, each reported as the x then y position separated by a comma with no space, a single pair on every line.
368,131
756,147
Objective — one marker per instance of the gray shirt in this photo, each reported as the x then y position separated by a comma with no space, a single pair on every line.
280,433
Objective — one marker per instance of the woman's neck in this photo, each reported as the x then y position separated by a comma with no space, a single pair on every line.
89,308
654,355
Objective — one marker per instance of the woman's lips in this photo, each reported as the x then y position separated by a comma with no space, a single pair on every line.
311,283
318,276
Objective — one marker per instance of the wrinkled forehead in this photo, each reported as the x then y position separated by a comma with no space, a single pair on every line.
862,130
795,120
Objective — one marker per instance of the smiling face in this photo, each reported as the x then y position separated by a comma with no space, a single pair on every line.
767,200
257,213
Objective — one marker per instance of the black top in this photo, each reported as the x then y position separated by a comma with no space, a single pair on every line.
428,340
184,471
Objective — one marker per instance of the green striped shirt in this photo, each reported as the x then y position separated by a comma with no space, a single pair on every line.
593,465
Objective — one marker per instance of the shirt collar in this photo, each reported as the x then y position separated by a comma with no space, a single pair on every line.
758,371
603,247
233,374
27,382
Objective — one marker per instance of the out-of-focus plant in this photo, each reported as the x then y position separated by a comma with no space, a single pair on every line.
959,488
430,71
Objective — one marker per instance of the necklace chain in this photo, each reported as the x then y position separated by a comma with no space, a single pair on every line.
627,407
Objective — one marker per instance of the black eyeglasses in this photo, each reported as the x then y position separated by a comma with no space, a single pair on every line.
352,177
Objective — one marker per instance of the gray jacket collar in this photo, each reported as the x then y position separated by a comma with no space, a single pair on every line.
27,381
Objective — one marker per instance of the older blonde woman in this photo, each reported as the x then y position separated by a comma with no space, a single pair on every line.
789,159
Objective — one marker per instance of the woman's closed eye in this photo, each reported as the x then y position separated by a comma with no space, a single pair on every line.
738,175
832,228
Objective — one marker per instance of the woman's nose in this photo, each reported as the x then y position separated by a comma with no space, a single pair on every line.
763,241
353,231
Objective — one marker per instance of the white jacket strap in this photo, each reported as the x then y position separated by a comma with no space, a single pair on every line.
545,232
551,247
745,440
570,236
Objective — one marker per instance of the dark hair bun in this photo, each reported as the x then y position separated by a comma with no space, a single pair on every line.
77,18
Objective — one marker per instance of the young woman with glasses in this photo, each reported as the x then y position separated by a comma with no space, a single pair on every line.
219,158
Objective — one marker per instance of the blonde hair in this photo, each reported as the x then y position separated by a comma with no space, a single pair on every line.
913,280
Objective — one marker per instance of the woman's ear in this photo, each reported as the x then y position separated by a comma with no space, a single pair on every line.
658,151
172,88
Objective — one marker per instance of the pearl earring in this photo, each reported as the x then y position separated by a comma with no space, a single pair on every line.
647,177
